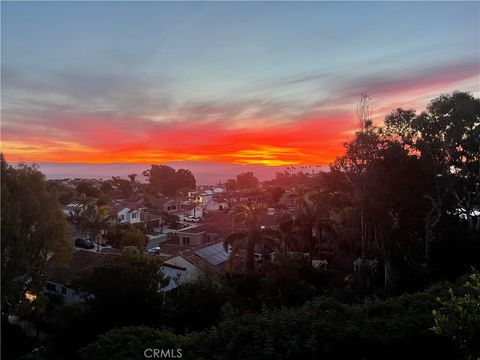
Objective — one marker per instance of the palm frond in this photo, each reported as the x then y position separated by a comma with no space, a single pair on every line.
272,233
234,238
271,242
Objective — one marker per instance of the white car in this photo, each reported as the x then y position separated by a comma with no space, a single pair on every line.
191,219
154,250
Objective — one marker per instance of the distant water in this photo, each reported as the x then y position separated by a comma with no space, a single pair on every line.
205,173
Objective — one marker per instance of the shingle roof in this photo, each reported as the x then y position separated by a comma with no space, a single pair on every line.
237,260
80,261
172,249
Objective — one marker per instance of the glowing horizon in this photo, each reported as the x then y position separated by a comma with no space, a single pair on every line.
273,84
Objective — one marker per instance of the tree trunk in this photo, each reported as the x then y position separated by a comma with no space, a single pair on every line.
250,256
362,230
319,240
388,270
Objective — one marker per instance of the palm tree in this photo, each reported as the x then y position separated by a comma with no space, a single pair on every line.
250,233
322,222
304,218
94,219
132,178
287,227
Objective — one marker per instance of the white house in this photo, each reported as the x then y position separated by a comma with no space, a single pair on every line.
216,205
204,198
131,216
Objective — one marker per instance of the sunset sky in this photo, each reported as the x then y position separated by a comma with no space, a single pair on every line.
244,83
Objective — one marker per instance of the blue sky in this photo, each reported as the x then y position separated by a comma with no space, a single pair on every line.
235,66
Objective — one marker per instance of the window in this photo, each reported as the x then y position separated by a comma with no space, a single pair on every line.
186,241
64,290
134,215
51,287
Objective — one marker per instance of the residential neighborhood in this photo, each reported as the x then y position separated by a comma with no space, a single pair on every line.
240,180
187,231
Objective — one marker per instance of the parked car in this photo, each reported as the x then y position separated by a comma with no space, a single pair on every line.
154,250
191,219
84,243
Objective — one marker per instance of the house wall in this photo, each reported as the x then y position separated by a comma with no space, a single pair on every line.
194,238
125,214
177,277
198,212
215,206
171,206
135,217
204,198
192,273
69,295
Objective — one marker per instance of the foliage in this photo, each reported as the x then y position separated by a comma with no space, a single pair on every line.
275,194
459,318
85,187
94,219
395,328
247,181
123,291
231,185
62,193
250,234
165,180
194,306
104,200
33,229
410,182
288,180
134,237
138,338
127,285
122,187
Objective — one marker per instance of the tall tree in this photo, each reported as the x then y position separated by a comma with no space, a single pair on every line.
446,139
123,187
165,180
247,181
33,229
94,219
249,233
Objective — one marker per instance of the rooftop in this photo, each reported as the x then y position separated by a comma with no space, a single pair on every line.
80,261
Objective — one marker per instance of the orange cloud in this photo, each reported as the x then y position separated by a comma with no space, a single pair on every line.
311,139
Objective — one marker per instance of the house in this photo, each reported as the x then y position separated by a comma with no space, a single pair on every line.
210,258
132,216
195,235
178,275
216,205
196,212
167,249
60,277
204,197
73,208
